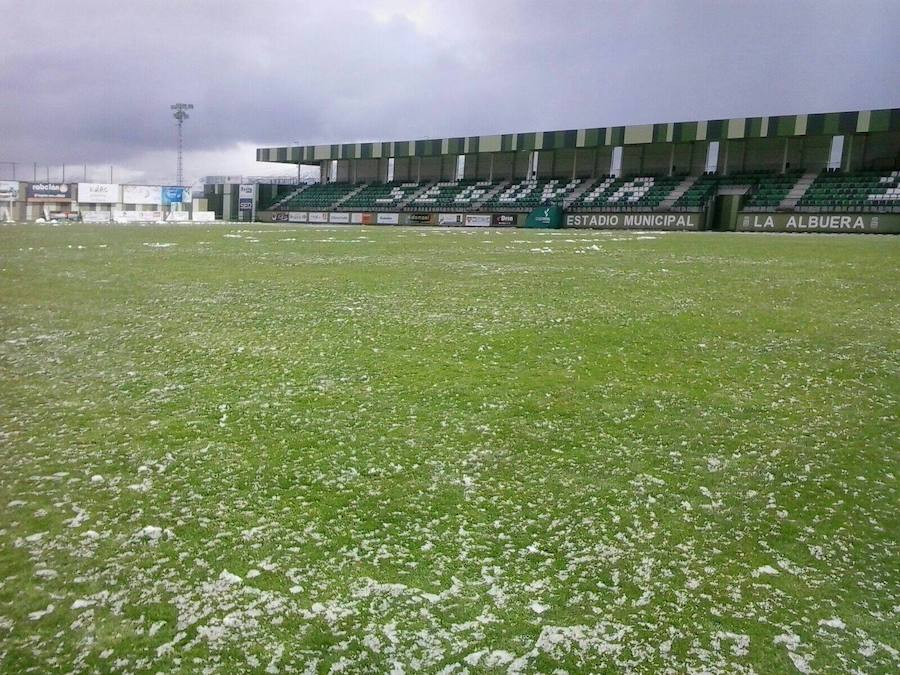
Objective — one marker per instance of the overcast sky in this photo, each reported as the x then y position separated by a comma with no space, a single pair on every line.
91,81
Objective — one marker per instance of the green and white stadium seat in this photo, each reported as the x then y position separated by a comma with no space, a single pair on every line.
859,191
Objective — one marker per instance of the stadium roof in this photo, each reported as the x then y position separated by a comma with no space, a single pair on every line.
835,123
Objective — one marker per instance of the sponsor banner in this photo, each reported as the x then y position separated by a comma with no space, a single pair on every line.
636,221
98,193
178,217
339,218
356,218
138,216
96,216
280,216
504,220
478,220
450,219
141,194
545,216
318,217
245,204
819,222
63,215
367,218
175,195
9,190
388,219
245,191
298,217
203,216
421,218
50,191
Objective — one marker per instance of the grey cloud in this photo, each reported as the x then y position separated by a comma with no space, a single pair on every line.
92,81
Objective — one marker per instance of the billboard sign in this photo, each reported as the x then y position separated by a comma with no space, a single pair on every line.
421,218
388,218
318,217
366,218
298,217
175,195
245,191
245,204
504,220
141,194
9,190
450,219
203,216
50,191
280,216
340,218
478,220
98,193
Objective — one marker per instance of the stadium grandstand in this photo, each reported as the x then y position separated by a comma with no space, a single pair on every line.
816,172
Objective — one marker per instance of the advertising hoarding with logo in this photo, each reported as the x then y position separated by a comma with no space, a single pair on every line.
819,222
504,220
50,191
367,218
245,204
280,217
98,193
141,194
203,216
9,190
298,217
339,218
388,218
421,218
450,219
175,195
318,217
478,220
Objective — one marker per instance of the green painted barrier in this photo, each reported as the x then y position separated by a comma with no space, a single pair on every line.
545,216
884,223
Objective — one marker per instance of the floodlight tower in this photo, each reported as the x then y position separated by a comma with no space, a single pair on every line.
181,115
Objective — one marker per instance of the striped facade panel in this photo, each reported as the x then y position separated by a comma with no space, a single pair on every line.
640,133
776,126
490,143
716,130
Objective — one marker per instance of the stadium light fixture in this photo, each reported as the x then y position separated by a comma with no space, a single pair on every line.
181,115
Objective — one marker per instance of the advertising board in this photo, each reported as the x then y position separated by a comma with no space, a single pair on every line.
95,216
141,194
98,193
367,218
50,191
245,204
504,220
298,217
318,217
175,195
203,216
9,190
478,220
450,219
388,218
356,218
279,216
340,218
421,218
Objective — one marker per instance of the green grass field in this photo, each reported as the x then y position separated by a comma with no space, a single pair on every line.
259,449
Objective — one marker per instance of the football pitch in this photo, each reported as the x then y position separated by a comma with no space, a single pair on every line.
245,448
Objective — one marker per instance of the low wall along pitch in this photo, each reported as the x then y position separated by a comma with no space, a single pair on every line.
885,223
636,221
